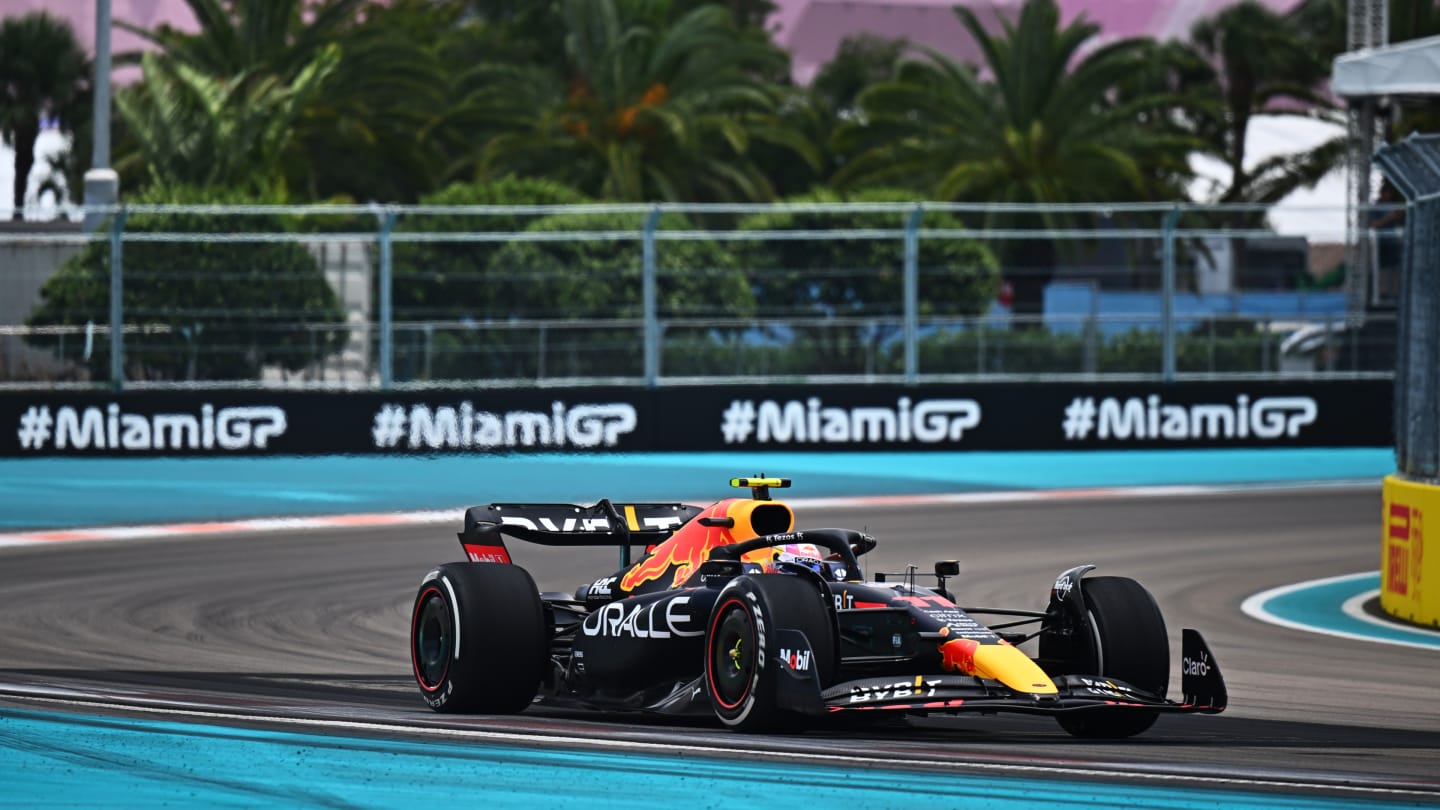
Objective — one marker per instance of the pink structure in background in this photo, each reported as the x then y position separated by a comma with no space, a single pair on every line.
810,29
81,14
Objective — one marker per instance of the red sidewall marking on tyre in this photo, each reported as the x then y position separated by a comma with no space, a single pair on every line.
414,651
710,659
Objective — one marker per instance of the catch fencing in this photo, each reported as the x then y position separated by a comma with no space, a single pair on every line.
410,297
1413,165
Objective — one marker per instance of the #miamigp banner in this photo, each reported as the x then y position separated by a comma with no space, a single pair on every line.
1021,416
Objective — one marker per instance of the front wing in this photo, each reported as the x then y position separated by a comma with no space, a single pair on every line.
1201,684
951,693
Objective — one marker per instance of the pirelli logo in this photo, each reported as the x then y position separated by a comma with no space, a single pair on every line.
1403,535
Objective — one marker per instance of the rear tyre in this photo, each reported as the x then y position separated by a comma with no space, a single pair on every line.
478,638
1127,642
742,649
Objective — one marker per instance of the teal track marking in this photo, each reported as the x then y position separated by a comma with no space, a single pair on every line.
50,761
54,493
1320,607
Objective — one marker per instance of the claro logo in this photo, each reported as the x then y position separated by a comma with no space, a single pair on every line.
1151,417
110,428
926,421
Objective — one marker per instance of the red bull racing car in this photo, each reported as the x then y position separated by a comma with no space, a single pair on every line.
733,612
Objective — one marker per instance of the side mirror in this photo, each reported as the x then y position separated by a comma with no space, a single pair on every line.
947,568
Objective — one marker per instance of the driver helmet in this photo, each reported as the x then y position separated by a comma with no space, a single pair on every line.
808,555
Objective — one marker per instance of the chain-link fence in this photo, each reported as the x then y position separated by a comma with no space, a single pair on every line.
365,297
1413,165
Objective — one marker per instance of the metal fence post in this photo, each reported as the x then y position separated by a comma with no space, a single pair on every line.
387,337
1167,295
648,298
912,295
117,312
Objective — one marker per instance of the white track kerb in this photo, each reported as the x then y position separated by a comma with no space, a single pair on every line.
293,524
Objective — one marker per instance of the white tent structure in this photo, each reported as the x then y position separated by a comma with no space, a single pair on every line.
1364,77
1404,69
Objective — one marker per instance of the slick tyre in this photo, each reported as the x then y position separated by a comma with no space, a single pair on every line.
1128,642
478,638
742,650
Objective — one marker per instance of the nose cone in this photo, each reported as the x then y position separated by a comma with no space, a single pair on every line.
997,662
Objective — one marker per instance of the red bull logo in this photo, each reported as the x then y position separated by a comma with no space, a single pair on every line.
686,549
958,655
734,520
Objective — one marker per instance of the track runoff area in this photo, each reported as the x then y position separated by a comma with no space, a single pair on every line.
1342,606
1346,606
161,498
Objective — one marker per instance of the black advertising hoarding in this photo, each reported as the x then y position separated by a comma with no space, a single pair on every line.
1036,416
186,423
988,416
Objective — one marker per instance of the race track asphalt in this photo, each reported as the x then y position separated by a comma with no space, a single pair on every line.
305,632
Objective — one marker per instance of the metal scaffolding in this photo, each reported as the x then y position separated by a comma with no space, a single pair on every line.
1367,27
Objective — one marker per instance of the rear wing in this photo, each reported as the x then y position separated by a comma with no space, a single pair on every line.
563,524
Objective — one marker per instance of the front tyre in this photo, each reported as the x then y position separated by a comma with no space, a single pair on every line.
1128,642
742,650
478,638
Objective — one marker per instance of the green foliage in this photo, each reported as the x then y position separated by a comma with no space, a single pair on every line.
833,276
204,310
1254,61
196,129
646,105
990,350
1208,349
453,279
483,291
1042,123
1046,119
304,101
601,278
815,110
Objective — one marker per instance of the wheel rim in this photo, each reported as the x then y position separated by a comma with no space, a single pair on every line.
732,656
432,640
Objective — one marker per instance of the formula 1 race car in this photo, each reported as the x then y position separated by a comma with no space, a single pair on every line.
732,611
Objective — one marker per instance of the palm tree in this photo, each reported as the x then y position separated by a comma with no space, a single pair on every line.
1257,62
1035,130
643,108
1044,121
261,36
42,70
818,108
357,138
194,129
